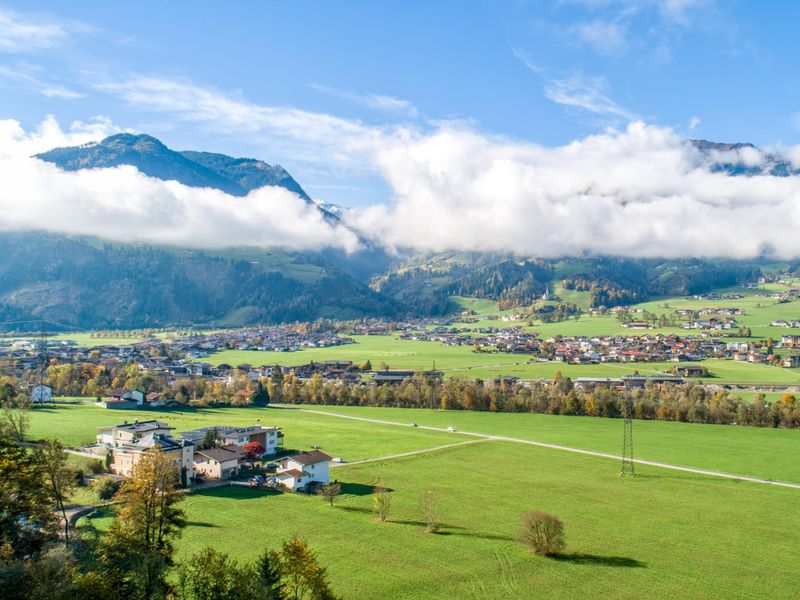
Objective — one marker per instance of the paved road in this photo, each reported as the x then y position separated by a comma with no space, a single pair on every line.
502,438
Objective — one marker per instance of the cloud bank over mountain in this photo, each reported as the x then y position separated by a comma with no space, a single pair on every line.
121,204
641,191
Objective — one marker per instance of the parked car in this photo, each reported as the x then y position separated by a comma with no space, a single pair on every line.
271,467
412,424
451,428
256,481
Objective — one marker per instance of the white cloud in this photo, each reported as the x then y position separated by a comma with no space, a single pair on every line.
587,93
681,11
694,122
18,77
577,90
638,192
604,37
21,33
379,102
316,138
123,204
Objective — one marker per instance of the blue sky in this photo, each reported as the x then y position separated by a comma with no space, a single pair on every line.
297,82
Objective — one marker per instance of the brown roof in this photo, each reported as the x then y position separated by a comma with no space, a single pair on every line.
234,448
310,458
292,473
219,454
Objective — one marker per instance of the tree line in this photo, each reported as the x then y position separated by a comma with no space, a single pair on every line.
689,403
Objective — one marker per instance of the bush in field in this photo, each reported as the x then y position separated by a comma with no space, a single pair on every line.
96,466
541,532
105,487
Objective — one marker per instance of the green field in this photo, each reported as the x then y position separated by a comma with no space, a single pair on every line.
746,451
76,425
663,534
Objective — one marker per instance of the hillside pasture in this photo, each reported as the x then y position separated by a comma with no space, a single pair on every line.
661,534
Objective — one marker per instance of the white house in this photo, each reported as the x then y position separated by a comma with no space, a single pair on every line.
122,398
41,393
298,471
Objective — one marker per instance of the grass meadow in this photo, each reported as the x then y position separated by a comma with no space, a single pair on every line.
661,534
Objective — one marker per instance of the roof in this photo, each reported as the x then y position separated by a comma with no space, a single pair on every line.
310,458
218,454
238,450
140,427
294,473
224,431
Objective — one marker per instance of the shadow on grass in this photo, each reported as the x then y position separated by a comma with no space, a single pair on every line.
360,489
357,509
603,561
200,524
236,492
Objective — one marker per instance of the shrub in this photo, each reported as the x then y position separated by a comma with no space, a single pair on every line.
105,487
96,466
541,532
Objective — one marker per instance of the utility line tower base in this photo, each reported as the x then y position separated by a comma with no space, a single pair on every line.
628,469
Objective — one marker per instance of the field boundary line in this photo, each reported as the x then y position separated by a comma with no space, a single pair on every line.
594,453
411,453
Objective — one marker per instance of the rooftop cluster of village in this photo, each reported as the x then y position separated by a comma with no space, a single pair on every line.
217,453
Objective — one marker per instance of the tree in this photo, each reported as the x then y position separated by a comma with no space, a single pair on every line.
331,490
27,522
210,575
430,511
541,532
365,366
137,549
253,451
261,397
381,501
14,422
59,477
302,576
210,438
268,574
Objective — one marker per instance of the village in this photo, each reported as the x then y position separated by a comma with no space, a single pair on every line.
710,333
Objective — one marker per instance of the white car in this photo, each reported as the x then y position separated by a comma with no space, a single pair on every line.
451,429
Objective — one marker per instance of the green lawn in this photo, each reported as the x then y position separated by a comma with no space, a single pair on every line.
77,425
751,451
660,535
